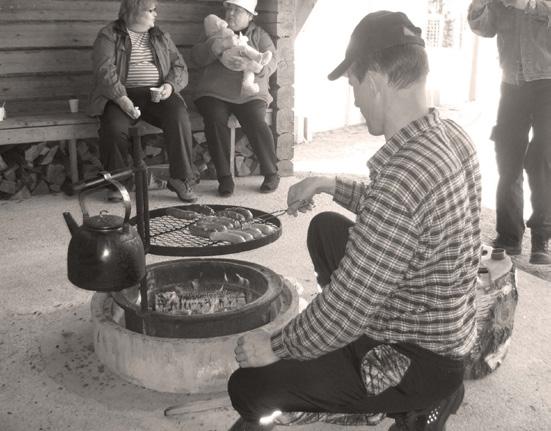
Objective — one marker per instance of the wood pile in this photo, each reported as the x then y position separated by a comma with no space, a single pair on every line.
36,169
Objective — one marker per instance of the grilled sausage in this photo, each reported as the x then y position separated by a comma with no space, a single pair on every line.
246,236
243,211
232,214
182,214
266,229
256,233
227,236
206,229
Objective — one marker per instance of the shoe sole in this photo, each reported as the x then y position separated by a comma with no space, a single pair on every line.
540,259
172,189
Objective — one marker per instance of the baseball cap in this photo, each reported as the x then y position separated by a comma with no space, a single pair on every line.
375,32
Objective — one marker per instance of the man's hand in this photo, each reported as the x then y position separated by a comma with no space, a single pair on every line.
166,91
300,195
255,350
128,107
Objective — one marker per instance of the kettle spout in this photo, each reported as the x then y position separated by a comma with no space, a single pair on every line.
71,223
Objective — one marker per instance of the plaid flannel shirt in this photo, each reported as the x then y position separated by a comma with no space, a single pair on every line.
410,265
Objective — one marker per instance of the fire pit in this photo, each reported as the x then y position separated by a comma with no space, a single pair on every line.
201,298
187,364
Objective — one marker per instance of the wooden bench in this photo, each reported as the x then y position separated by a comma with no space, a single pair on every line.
46,59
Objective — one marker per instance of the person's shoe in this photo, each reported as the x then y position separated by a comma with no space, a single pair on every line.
540,250
225,186
182,188
242,425
433,418
270,183
512,249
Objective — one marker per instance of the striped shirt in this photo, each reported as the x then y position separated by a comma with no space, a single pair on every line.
410,265
142,70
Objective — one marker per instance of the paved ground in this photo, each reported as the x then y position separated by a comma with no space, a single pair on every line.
51,379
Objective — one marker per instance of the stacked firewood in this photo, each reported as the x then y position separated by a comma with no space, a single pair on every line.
35,169
32,170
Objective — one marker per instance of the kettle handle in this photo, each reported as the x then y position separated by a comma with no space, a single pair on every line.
122,190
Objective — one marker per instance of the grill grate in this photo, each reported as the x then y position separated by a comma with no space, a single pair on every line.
170,236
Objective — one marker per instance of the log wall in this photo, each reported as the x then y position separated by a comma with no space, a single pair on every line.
45,52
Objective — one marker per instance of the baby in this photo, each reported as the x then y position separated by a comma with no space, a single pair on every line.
230,45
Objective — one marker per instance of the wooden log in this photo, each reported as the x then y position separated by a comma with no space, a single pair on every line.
55,174
7,186
3,164
22,193
496,300
10,173
40,189
50,156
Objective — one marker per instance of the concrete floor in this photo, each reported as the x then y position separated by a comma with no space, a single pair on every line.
51,379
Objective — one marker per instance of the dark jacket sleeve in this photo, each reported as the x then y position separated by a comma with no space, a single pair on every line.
265,44
178,75
104,67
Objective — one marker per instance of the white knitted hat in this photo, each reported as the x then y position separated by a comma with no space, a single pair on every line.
248,5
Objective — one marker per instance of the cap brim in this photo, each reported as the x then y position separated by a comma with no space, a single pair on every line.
340,70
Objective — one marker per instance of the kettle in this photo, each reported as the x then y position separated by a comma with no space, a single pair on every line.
105,254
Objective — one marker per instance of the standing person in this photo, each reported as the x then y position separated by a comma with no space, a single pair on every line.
219,94
524,45
130,55
395,317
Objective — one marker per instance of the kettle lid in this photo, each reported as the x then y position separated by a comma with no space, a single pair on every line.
103,221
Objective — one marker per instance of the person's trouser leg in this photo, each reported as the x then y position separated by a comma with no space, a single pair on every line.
511,140
538,159
334,383
326,241
215,114
114,140
171,115
252,117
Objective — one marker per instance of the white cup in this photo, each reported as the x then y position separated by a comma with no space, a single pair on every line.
73,105
155,94
2,113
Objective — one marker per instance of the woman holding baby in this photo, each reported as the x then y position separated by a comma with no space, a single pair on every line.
222,91
130,56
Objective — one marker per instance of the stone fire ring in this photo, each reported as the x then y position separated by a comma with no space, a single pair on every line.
177,365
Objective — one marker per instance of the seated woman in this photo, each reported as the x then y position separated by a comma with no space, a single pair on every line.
219,94
130,55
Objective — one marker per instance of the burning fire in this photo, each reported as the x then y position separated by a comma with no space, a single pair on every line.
204,295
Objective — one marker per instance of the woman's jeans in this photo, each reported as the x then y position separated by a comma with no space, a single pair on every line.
170,115
334,382
521,108
252,117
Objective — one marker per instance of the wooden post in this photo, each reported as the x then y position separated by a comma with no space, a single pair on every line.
72,146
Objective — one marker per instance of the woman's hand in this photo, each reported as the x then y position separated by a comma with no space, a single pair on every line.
255,350
128,107
166,91
236,63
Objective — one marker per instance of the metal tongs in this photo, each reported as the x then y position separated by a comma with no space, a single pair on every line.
303,204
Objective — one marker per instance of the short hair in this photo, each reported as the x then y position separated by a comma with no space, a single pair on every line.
130,8
403,64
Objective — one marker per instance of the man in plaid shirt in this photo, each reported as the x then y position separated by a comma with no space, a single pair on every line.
396,315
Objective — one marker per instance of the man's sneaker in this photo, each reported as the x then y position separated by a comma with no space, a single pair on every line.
433,418
270,183
512,249
182,188
242,425
540,250
226,186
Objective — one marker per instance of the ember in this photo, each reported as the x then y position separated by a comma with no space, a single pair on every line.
200,296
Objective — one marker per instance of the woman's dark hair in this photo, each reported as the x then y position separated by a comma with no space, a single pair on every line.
403,64
130,8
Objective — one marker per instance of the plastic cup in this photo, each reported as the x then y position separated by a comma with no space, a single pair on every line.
155,94
73,105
